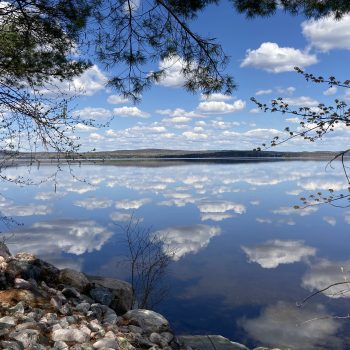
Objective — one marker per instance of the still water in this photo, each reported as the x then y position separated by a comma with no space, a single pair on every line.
244,256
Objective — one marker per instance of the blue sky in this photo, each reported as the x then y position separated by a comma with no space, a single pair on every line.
262,54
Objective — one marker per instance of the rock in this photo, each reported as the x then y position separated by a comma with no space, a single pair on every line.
74,279
102,295
7,321
27,325
121,292
148,320
70,292
11,345
26,336
141,341
106,343
4,251
83,307
155,338
210,342
20,283
3,264
124,344
60,345
135,329
74,335
167,336
23,269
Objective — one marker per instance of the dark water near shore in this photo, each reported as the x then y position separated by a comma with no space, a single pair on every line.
244,258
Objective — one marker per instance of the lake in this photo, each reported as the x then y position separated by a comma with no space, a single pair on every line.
244,257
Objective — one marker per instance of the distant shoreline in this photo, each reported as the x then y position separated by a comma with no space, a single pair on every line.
168,155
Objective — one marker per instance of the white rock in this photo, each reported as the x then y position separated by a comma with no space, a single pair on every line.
148,320
106,343
75,335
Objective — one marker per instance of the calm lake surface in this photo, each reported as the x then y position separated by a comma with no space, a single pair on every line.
244,257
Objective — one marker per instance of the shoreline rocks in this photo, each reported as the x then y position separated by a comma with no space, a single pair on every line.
42,307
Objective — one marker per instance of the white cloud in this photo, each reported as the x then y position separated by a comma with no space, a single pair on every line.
93,113
328,33
330,91
221,207
130,112
45,196
263,92
178,113
88,83
221,107
190,135
255,110
131,204
285,326
323,273
187,239
84,128
276,252
289,90
174,77
92,203
215,216
216,97
272,58
292,211
302,101
330,220
117,99
118,216
70,236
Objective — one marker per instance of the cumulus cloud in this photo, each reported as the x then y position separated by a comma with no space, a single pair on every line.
221,107
293,211
69,236
330,220
187,239
324,273
283,325
272,58
174,76
216,97
130,112
264,92
302,101
8,208
190,135
88,83
330,91
221,207
45,196
117,99
273,253
94,203
215,216
93,113
119,216
132,204
328,33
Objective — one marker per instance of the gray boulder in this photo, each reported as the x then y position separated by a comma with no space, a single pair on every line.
148,320
210,342
74,279
4,251
121,292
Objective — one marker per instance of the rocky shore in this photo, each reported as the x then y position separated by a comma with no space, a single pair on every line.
42,307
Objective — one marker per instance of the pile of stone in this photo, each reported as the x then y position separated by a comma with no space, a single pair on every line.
42,307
